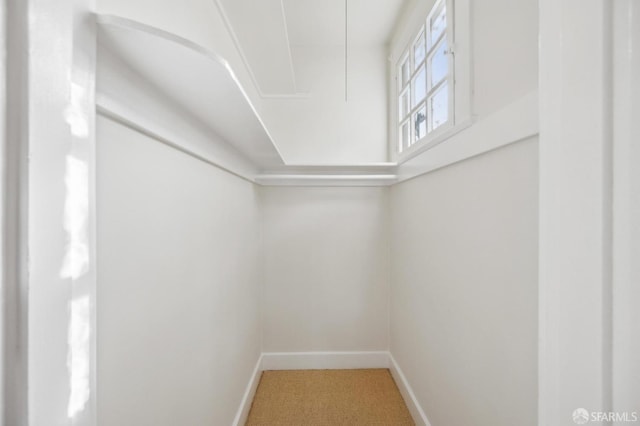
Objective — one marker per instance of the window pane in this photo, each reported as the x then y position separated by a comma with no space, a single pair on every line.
420,123
419,51
439,63
404,136
439,107
419,86
437,24
404,73
403,104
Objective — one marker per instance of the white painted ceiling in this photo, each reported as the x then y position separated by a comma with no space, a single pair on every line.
321,22
261,30
266,30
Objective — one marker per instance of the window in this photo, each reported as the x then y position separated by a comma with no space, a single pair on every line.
425,80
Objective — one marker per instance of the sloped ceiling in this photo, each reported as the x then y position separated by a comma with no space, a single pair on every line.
261,30
266,30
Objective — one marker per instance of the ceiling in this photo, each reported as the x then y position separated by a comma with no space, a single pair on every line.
267,29
261,30
313,22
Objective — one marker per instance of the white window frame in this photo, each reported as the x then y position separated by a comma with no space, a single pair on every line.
458,79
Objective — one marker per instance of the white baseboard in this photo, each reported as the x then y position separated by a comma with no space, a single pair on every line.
419,417
249,393
324,360
329,361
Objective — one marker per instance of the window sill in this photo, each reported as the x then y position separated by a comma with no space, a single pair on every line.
513,123
430,141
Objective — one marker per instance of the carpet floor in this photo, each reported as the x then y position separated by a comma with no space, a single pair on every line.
328,398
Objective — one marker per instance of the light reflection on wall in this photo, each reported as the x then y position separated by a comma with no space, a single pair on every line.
76,261
75,115
78,357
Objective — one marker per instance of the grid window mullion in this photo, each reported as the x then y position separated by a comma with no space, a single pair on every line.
426,78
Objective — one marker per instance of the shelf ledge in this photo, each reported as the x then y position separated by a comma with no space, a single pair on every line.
148,69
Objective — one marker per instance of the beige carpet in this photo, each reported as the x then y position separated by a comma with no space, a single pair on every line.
328,398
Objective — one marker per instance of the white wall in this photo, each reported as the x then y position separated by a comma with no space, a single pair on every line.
179,285
464,242
323,128
326,269
464,288
505,52
575,256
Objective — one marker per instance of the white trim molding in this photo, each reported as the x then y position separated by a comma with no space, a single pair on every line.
516,122
324,360
407,393
199,145
575,223
249,393
626,207
14,286
305,179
